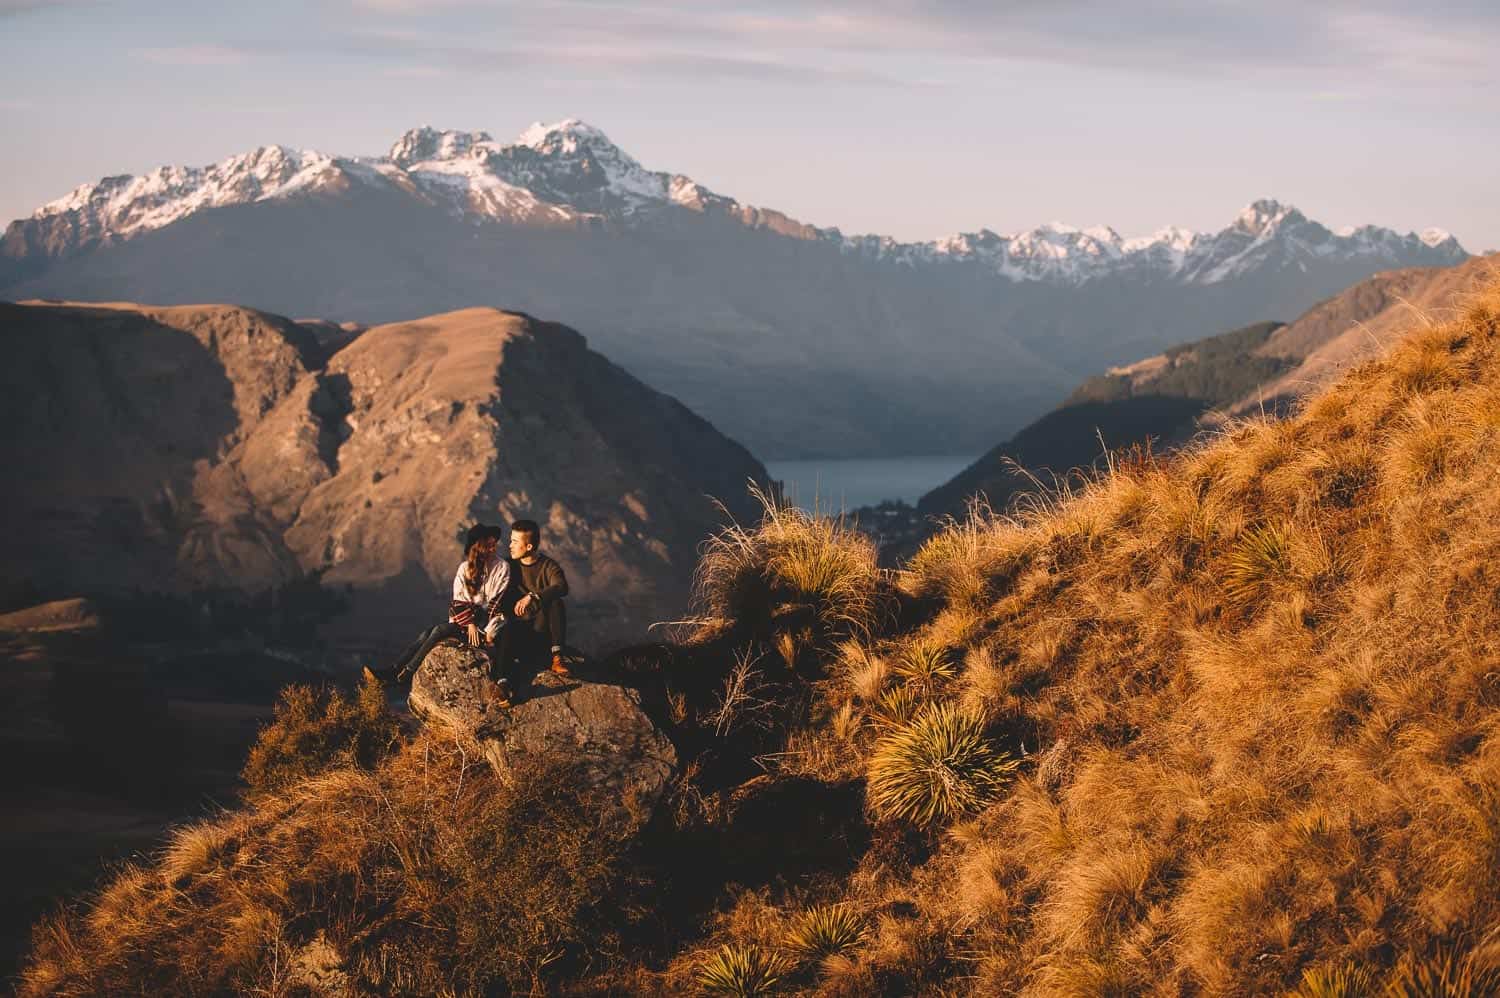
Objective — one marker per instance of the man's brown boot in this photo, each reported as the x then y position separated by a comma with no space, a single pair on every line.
559,667
495,693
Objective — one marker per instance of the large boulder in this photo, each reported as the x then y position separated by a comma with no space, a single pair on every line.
598,729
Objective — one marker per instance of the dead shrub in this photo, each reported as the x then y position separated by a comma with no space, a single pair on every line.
319,729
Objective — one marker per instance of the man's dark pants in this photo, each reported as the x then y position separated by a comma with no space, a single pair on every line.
531,641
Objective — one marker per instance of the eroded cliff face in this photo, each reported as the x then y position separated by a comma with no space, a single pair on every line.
214,447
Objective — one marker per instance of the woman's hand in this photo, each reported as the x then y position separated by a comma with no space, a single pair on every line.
474,635
523,605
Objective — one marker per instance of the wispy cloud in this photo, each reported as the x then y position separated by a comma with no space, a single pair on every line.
10,8
193,55
415,72
1348,47
584,57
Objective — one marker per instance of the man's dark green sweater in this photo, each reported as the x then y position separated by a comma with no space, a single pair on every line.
543,579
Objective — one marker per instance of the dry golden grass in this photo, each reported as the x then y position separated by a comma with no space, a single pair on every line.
1253,693
746,574
1270,669
422,876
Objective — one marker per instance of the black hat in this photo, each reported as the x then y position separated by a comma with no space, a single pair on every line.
477,533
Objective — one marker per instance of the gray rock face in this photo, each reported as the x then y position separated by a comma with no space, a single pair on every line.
448,689
597,727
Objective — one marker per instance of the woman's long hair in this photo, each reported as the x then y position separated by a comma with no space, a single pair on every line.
476,560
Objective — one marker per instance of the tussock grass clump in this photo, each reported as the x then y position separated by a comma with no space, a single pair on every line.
826,930
790,559
315,730
938,767
966,560
743,971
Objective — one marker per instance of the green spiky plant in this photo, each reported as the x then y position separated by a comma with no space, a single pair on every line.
826,930
741,970
1261,557
896,706
926,664
937,768
1443,974
1342,981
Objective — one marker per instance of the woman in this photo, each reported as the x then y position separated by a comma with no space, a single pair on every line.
474,613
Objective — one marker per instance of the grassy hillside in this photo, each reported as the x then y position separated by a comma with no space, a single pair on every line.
1222,724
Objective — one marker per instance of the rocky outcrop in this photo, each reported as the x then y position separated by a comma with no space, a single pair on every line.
448,689
597,730
220,447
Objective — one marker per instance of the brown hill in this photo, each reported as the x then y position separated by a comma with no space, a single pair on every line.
1362,323
217,447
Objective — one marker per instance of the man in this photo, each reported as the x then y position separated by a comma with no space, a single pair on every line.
538,610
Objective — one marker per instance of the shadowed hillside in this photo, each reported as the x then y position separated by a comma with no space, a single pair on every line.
1227,723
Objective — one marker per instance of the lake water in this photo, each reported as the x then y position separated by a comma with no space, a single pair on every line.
833,484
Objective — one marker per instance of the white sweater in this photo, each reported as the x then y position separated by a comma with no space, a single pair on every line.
482,603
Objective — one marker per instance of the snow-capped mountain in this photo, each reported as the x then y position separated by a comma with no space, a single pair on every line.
796,340
569,172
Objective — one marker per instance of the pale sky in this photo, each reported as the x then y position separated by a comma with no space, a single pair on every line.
909,119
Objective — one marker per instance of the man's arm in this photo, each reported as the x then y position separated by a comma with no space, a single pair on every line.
554,584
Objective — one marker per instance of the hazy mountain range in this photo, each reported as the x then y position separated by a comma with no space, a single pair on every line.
794,339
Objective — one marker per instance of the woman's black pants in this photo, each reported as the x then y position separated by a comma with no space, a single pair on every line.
415,652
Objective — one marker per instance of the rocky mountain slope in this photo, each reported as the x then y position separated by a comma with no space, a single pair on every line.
216,447
795,339
1169,397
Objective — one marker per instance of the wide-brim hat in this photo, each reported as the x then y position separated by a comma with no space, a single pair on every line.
480,532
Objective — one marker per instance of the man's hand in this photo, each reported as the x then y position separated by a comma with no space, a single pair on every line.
523,605
474,635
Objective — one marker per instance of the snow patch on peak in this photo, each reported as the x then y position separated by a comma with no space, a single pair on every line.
1263,214
419,145
562,136
120,206
1435,237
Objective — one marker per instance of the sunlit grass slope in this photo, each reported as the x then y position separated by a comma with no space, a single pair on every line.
1258,693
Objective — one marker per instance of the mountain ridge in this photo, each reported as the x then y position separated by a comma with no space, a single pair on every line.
796,341
571,173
